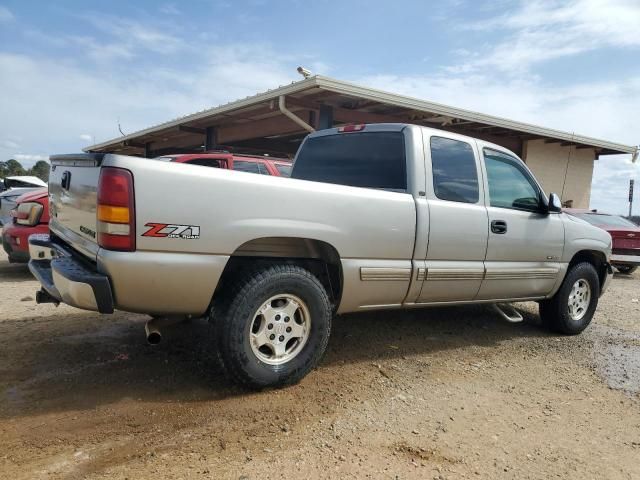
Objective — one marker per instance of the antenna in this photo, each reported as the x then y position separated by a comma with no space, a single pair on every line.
566,170
120,128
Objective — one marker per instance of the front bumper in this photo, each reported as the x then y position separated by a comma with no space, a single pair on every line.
65,276
617,259
607,279
15,240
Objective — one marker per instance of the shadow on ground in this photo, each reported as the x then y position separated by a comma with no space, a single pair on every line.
14,272
84,360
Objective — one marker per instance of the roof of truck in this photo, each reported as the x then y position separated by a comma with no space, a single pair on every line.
260,116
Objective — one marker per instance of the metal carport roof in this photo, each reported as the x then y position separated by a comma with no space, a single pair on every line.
256,123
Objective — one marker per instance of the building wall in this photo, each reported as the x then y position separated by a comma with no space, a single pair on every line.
548,162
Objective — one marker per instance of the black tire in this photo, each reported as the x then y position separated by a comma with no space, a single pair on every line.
626,269
554,312
233,318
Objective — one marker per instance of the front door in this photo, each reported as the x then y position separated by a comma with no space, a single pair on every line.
525,243
458,222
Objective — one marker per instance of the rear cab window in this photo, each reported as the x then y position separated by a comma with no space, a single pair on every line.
359,159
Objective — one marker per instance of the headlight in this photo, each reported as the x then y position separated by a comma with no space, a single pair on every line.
28,213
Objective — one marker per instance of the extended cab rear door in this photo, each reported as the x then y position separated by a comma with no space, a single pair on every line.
458,221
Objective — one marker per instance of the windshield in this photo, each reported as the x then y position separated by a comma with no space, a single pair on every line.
606,220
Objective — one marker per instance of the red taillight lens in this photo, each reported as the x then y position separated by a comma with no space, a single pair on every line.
116,210
351,128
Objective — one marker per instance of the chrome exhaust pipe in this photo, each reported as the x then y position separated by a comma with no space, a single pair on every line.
153,328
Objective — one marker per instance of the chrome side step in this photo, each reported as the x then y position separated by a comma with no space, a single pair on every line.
507,312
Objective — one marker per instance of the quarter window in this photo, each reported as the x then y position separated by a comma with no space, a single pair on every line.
455,176
510,185
243,166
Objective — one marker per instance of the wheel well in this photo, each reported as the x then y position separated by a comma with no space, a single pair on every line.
595,258
319,257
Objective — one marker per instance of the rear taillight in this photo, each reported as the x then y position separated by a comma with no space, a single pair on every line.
116,210
351,128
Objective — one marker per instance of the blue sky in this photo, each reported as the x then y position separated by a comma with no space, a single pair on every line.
70,70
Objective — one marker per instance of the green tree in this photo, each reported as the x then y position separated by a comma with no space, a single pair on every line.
10,168
40,170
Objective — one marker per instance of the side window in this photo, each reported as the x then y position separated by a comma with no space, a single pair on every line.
262,168
510,185
455,176
365,159
244,166
205,162
285,170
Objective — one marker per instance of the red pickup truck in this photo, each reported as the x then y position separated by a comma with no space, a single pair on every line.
278,167
30,216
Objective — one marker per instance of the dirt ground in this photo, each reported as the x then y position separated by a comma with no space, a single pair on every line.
437,393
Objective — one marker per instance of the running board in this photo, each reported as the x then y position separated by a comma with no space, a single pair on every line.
507,312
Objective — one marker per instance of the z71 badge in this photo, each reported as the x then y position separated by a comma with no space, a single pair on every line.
167,230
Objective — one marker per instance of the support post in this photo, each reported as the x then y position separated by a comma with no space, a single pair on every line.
210,139
325,119
147,150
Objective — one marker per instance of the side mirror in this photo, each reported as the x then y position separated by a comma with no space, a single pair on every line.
555,205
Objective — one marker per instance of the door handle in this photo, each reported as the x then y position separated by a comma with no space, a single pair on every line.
498,226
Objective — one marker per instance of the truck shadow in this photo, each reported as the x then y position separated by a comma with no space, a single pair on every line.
14,272
80,361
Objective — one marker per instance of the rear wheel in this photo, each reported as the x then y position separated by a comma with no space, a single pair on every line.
274,327
626,269
571,309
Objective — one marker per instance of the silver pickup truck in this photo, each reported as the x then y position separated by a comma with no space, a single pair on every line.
374,217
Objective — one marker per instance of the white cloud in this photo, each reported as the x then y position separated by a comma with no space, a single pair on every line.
57,102
9,144
135,36
87,138
6,15
542,30
170,9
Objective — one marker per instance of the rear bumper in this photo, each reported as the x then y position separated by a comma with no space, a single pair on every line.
66,277
617,259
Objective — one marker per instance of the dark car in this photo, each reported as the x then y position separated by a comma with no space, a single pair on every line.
625,234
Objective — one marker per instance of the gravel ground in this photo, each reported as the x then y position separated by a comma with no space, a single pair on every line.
437,393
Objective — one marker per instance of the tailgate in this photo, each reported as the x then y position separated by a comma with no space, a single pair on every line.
73,184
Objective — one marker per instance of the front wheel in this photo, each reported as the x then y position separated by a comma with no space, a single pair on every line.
571,309
275,327
626,269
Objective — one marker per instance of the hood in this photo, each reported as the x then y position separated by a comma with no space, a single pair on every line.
34,195
23,181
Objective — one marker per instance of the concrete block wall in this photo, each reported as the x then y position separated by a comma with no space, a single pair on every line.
548,162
